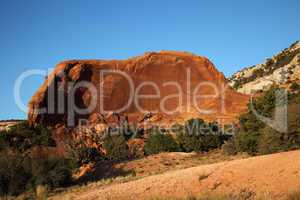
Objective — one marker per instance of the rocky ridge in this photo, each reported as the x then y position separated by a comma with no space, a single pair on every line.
282,68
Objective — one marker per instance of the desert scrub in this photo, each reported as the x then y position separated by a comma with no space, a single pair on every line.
22,137
256,138
203,176
295,86
85,155
159,141
197,135
19,173
229,147
116,147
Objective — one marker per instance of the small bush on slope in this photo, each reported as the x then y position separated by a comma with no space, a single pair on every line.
159,141
229,147
197,135
85,155
116,147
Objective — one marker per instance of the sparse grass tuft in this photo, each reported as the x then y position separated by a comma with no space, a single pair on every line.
203,176
294,196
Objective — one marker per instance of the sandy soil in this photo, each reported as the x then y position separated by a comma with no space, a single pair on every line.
273,175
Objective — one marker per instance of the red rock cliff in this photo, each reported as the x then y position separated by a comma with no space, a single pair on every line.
158,69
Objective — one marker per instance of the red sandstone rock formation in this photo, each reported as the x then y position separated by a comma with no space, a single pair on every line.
158,69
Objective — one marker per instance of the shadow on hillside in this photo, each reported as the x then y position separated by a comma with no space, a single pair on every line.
106,170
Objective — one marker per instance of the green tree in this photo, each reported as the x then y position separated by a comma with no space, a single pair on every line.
160,142
116,147
86,155
198,135
255,137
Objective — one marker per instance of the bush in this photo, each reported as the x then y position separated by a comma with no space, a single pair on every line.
255,137
295,86
22,137
19,173
229,147
249,136
116,147
53,172
270,141
160,142
20,170
85,155
247,142
200,136
13,175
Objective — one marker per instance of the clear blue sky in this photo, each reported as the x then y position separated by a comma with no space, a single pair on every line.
232,33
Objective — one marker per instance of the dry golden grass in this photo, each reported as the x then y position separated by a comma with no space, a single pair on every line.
153,165
255,178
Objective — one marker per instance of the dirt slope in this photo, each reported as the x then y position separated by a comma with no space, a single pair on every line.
273,175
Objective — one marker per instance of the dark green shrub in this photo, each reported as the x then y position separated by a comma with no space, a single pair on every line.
250,123
295,86
22,137
266,103
53,172
200,136
3,140
19,173
116,147
86,155
247,142
198,142
249,135
271,141
177,128
269,62
13,175
229,147
160,141
126,130
255,137
287,140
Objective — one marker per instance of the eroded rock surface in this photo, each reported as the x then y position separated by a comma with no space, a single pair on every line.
174,73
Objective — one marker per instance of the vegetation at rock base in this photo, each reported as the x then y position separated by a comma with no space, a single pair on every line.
194,135
116,147
85,155
295,86
160,141
22,137
19,173
256,137
20,170
197,135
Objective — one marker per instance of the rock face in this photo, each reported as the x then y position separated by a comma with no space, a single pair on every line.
172,79
282,68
